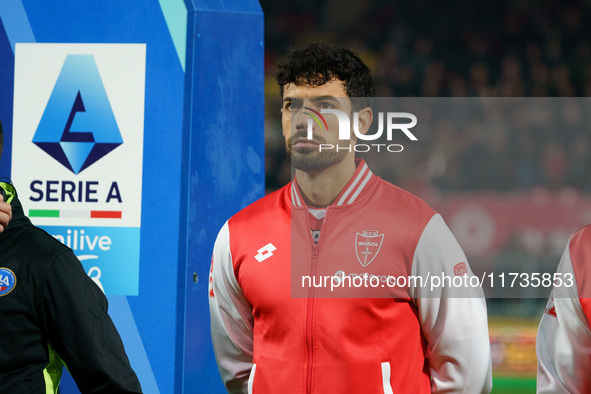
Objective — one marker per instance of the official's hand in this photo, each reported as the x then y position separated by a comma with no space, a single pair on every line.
5,213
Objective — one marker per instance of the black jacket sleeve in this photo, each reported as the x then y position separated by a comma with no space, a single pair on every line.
74,313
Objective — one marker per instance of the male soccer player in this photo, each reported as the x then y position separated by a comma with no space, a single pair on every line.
52,312
337,214
563,344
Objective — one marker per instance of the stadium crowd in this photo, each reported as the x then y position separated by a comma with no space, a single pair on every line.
463,49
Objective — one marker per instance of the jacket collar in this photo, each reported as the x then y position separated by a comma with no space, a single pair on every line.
350,193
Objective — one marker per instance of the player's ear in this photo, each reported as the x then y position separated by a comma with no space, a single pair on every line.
365,119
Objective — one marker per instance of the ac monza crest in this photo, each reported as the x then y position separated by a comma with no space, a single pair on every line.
367,246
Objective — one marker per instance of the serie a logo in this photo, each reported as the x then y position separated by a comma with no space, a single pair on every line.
78,127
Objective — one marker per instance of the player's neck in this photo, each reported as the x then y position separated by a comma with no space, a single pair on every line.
320,189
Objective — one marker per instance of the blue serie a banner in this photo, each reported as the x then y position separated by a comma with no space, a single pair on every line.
79,111
132,131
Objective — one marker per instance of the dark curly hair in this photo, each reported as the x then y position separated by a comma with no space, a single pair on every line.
320,62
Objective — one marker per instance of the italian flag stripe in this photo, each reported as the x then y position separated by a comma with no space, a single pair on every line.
60,213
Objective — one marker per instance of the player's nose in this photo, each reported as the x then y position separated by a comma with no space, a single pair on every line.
299,120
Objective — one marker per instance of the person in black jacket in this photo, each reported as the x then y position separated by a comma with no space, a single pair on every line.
53,314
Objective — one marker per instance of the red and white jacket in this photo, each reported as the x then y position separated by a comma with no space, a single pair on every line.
563,344
268,339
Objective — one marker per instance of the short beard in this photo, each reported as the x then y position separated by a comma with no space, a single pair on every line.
313,160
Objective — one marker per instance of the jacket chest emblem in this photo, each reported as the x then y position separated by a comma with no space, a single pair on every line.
367,246
7,281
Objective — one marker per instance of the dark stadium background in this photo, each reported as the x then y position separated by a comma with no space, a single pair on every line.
469,49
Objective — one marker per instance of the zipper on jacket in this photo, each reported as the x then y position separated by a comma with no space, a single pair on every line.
310,322
310,307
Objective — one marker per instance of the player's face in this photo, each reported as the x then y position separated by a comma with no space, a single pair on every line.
298,99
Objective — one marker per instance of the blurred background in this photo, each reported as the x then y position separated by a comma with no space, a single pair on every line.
512,191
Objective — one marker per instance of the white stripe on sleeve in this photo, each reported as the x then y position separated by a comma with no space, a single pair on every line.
453,321
386,372
563,343
232,322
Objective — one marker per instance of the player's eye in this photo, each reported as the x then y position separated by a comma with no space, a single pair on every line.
291,106
325,105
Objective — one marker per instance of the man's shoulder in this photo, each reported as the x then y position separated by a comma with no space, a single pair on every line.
31,250
582,234
580,251
266,218
32,241
274,206
580,246
401,200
